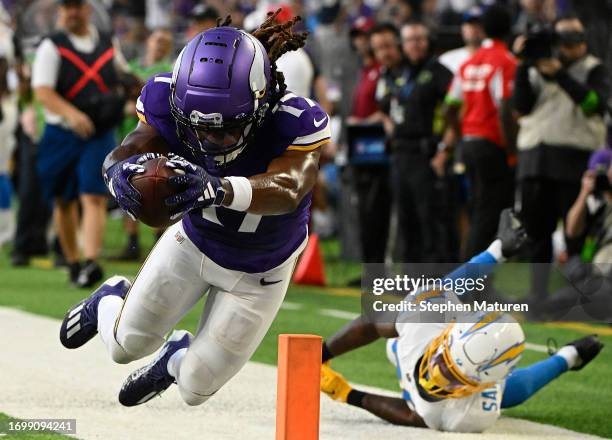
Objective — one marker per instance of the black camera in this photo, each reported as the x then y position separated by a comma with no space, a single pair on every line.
539,44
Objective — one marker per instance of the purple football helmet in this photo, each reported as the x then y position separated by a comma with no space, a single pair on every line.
220,91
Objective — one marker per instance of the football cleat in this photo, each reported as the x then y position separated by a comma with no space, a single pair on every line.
81,322
587,348
90,274
334,384
153,379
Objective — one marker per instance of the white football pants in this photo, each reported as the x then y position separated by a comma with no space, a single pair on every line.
239,310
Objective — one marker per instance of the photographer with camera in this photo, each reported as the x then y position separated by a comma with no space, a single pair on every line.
591,213
587,295
560,93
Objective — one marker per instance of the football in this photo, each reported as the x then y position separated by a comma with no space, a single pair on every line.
154,189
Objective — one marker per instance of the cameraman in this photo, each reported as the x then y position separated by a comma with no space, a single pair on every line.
560,93
590,282
591,212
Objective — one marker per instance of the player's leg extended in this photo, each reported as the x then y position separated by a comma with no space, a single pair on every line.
233,324
166,287
525,382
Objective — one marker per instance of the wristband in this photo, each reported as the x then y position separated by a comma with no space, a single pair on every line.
243,193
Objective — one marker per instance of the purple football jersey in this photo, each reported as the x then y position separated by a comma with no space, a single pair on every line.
239,240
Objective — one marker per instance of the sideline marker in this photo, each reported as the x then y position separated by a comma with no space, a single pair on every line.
297,394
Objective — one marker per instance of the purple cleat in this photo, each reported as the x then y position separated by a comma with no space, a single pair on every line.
81,322
153,379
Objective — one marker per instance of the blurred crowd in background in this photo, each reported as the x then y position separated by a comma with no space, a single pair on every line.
444,112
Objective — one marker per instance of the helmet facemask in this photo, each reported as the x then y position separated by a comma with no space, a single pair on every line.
208,134
440,377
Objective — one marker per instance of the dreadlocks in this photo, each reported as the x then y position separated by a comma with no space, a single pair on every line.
277,39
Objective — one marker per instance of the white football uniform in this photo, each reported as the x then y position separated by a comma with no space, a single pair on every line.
239,309
474,413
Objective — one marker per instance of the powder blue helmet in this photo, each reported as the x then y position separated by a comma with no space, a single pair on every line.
220,91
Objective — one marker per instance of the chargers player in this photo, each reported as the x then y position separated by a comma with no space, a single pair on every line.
454,377
248,152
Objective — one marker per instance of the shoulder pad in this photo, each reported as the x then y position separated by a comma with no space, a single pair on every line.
153,101
302,122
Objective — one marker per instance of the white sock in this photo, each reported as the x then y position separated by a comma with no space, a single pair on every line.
174,363
570,354
108,311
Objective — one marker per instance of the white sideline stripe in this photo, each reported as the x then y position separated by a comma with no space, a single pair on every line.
88,390
536,347
73,321
291,306
75,311
341,314
338,314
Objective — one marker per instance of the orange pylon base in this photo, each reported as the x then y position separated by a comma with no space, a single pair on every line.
310,269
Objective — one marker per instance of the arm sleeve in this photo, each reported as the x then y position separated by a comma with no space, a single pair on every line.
524,96
46,65
592,96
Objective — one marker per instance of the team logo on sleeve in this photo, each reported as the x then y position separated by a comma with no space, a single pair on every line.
318,123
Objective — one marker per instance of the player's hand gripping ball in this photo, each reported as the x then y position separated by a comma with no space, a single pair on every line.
140,186
194,187
117,179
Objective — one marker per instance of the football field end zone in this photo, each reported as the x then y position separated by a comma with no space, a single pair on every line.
40,379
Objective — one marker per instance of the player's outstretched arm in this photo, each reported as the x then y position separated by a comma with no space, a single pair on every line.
357,333
277,191
126,160
392,409
282,187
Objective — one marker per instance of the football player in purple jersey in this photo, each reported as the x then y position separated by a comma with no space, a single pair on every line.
248,151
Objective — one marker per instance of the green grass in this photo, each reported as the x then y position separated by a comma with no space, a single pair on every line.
4,420
579,400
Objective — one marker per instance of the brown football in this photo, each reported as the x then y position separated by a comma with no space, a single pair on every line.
154,189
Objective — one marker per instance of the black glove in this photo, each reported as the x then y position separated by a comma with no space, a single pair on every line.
511,232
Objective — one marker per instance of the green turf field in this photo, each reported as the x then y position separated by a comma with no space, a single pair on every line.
578,400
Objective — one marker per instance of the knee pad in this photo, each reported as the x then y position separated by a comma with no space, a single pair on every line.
196,381
236,331
134,346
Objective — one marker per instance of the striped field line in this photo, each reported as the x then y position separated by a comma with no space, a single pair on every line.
342,314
